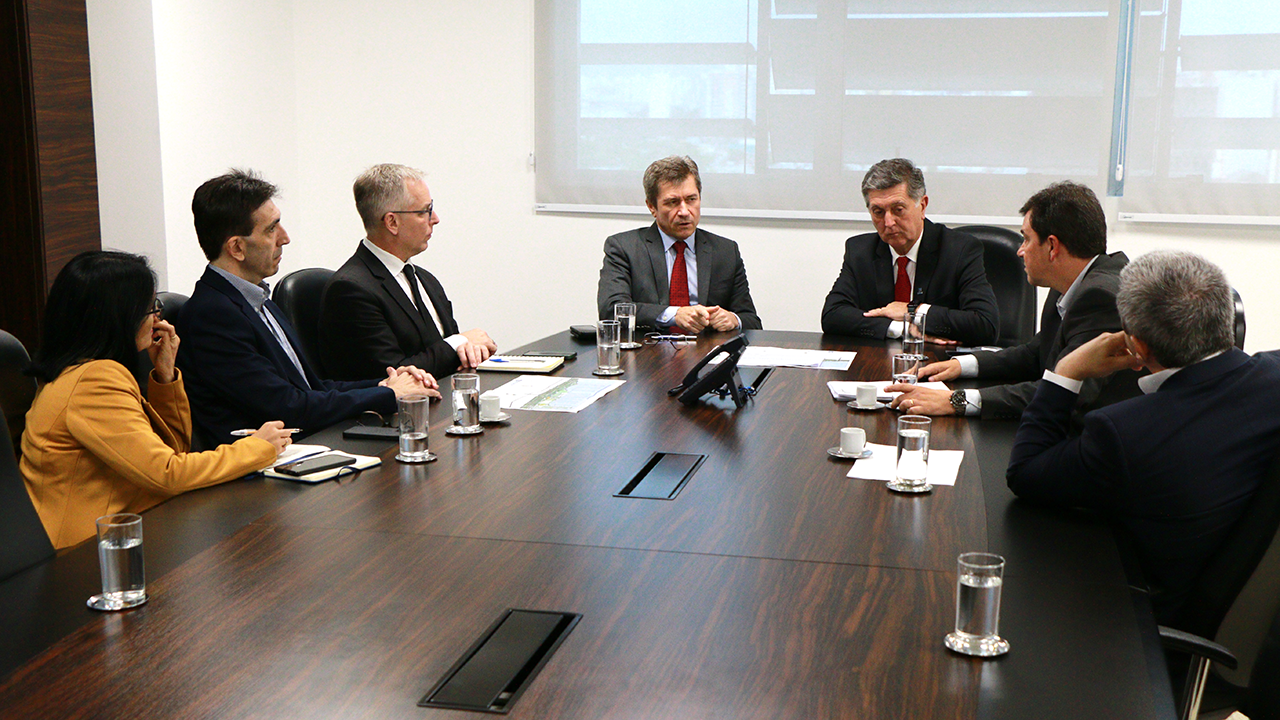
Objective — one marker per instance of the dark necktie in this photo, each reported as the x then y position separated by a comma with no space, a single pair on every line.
417,296
679,296
902,290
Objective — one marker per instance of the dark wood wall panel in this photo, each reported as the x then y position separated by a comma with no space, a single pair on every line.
49,204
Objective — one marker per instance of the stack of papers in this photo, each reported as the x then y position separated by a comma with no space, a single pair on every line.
944,465
297,452
847,390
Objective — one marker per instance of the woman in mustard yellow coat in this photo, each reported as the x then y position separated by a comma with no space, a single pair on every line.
93,445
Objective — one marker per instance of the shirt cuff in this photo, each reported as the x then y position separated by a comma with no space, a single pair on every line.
1065,383
895,329
667,316
972,403
968,366
456,341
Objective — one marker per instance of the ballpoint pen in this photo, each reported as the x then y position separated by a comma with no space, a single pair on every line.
246,432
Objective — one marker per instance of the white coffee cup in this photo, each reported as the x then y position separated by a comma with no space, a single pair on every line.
490,406
852,440
866,396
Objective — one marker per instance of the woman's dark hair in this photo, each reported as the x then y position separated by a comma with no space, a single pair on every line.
95,308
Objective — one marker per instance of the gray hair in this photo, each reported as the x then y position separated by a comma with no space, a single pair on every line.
1179,304
673,169
892,173
380,189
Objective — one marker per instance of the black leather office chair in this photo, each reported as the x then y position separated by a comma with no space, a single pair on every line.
1015,297
16,390
1217,588
1235,295
23,541
298,295
172,303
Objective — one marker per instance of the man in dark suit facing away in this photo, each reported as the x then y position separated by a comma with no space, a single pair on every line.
1064,248
1176,467
678,276
910,265
379,310
239,354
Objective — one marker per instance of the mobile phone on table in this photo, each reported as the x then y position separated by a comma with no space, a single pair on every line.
312,465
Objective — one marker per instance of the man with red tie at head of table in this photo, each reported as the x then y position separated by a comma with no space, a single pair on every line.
910,264
680,278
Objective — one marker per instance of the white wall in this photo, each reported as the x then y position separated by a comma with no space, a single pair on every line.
310,93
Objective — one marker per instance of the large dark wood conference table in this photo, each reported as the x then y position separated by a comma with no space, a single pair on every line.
772,586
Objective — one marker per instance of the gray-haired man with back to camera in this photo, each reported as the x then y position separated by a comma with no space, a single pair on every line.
1177,466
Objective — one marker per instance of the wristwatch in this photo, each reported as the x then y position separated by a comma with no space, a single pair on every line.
958,401
911,310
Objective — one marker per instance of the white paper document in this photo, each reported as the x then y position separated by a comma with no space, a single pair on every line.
846,390
764,356
553,394
944,465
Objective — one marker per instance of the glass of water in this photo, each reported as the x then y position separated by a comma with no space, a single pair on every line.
912,472
980,577
625,314
466,405
415,420
906,368
913,333
608,352
124,579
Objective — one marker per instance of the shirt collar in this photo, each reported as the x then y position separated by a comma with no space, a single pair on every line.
668,241
1064,300
1151,383
255,295
393,263
912,253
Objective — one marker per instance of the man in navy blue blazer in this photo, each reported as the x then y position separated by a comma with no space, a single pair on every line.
1177,466
239,354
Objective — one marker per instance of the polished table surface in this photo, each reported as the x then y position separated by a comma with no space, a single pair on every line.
772,586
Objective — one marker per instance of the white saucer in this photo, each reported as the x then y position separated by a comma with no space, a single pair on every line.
853,405
500,417
836,452
607,373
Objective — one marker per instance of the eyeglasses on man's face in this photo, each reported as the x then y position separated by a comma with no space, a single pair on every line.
431,208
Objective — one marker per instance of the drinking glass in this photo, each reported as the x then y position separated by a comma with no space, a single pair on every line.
979,579
415,420
912,472
124,579
913,333
906,368
608,354
625,314
466,405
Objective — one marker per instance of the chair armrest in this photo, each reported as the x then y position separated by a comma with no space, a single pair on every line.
1195,645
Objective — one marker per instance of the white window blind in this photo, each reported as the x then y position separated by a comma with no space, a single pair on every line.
1204,129
784,104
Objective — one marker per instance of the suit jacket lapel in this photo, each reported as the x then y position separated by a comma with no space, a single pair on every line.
882,267
266,338
926,259
391,286
287,327
706,257
657,261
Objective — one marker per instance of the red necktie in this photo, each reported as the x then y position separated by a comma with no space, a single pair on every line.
902,290
679,296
